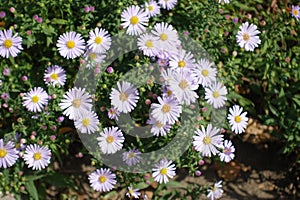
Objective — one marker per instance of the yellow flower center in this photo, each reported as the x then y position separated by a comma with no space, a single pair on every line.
134,20
181,64
163,37
216,94
150,8
169,92
37,156
183,84
166,108
246,37
131,155
98,40
86,122
237,119
54,76
8,43
3,153
149,44
35,99
163,171
204,72
70,44
159,125
76,103
110,139
92,56
296,12
102,179
123,96
207,140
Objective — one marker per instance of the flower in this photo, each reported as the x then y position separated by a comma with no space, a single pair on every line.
167,4
225,1
9,44
35,99
163,171
247,36
134,19
125,97
206,141
133,193
148,45
2,14
55,75
70,45
37,157
75,102
216,191
158,129
87,122
237,120
102,180
8,154
99,41
167,110
183,86
111,140
92,59
113,113
227,154
215,94
4,96
166,36
152,8
205,73
182,61
131,157
296,12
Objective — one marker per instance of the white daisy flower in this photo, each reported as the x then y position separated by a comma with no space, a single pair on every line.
215,95
132,157
206,141
70,45
35,99
55,75
158,129
75,102
9,44
92,59
225,1
227,153
133,193
167,4
296,12
183,86
134,19
111,140
216,191
87,122
8,154
147,44
152,8
99,41
237,120
182,61
247,36
163,171
166,111
113,113
166,36
102,180
125,97
37,157
205,73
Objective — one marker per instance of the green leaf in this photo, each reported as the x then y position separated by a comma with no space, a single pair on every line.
141,185
34,177
175,184
58,21
30,187
59,180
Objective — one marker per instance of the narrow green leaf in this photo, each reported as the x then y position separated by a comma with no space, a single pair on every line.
30,187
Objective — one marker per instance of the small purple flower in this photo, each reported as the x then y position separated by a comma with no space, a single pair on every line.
97,70
235,20
198,173
39,20
110,70
35,17
86,9
12,9
24,78
2,14
4,96
60,119
92,8
6,71
52,137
